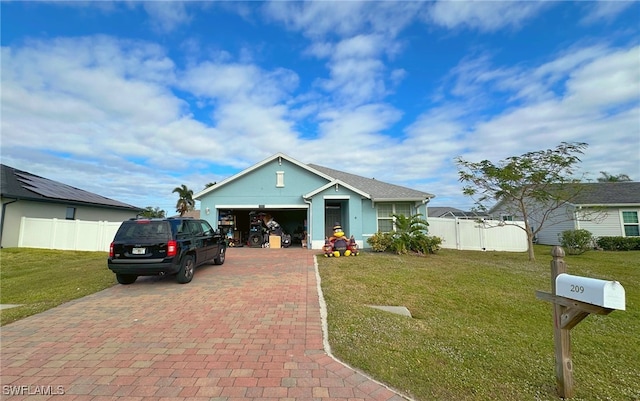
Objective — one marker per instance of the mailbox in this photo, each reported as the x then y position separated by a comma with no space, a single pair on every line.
608,294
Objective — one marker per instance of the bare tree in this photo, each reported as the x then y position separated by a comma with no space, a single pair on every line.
534,184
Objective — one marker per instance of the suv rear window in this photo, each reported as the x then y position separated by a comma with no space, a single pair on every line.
144,229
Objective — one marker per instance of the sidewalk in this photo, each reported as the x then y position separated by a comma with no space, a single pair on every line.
250,329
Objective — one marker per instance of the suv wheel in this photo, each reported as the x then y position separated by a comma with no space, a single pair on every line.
220,258
126,278
186,270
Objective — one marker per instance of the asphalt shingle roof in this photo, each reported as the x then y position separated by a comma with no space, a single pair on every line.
608,193
23,185
599,194
377,189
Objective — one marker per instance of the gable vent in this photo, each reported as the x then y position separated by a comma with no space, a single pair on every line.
279,179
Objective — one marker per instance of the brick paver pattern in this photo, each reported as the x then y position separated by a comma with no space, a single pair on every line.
250,329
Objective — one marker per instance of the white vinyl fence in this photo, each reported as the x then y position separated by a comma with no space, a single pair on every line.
488,235
74,235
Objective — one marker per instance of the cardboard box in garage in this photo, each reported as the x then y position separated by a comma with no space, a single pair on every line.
274,241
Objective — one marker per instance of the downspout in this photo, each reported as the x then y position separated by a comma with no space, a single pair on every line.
425,202
4,209
309,231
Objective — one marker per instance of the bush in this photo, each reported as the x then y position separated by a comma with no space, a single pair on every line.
410,236
576,241
619,243
380,241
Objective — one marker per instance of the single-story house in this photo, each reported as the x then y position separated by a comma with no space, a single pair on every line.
606,209
307,200
27,195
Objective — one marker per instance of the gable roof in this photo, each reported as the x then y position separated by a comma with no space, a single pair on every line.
367,187
26,186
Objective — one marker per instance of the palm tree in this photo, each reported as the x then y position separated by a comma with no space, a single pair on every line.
151,212
606,177
185,201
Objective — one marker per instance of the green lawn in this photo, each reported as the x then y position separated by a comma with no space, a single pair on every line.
478,332
39,279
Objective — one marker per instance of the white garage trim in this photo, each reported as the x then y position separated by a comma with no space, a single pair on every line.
266,206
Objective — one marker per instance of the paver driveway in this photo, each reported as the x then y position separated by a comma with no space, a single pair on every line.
250,329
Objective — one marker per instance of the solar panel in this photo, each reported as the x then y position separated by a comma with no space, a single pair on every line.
57,190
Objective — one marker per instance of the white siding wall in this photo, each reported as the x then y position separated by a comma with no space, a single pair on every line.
549,234
607,224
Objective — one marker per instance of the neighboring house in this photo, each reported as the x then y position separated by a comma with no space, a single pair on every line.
307,200
603,208
452,212
27,195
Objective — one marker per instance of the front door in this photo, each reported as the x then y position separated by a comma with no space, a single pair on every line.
332,215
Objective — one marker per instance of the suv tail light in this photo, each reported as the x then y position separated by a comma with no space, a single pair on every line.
111,250
172,248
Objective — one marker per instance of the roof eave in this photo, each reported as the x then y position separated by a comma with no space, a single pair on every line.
331,184
71,202
407,199
607,204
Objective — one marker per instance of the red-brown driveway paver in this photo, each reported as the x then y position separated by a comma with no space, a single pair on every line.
250,329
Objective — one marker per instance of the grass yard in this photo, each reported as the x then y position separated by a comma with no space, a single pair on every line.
478,332
40,279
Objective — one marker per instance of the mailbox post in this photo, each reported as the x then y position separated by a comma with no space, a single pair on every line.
574,298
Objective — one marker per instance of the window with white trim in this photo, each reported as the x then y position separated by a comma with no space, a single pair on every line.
631,224
386,222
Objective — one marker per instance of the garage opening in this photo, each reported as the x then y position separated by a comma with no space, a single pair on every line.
241,227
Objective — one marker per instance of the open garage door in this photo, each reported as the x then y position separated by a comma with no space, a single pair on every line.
240,226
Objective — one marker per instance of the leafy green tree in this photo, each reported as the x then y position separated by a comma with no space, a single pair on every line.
531,186
151,212
606,177
185,199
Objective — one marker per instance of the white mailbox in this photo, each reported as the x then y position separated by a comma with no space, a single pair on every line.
608,294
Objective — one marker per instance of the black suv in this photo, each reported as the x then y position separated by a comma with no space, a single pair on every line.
151,247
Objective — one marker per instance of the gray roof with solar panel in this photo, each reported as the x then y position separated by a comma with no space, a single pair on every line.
20,184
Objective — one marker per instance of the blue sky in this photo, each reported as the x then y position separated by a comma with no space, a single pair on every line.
131,99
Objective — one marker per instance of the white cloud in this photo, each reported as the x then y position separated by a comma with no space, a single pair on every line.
604,11
607,82
167,16
597,104
79,95
485,16
317,19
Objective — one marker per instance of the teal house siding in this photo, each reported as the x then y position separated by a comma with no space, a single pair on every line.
259,187
306,200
